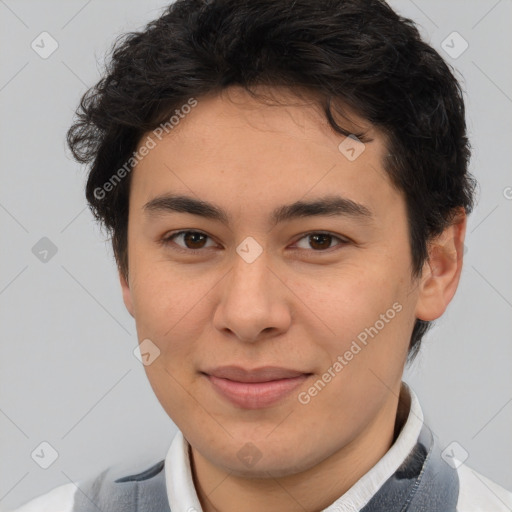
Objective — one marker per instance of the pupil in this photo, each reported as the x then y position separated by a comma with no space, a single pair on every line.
191,238
322,237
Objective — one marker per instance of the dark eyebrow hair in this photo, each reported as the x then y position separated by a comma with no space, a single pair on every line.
332,205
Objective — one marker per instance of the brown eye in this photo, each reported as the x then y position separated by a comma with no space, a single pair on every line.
194,240
319,242
187,240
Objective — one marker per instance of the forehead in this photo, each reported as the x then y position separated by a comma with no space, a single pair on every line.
277,109
272,149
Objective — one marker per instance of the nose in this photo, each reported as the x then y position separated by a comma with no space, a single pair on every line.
253,302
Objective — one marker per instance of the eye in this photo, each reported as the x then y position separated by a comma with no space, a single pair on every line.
319,241
190,240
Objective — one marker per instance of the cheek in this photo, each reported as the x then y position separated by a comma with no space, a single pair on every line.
346,301
364,320
171,311
170,308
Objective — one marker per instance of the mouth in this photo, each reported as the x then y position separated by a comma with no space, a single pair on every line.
254,389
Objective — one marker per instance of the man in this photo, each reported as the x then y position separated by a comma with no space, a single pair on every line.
287,189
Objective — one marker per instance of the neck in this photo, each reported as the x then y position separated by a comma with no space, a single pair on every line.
314,489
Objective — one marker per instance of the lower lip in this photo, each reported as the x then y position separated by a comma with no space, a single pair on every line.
255,395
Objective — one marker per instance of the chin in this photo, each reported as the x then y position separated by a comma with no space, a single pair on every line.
262,462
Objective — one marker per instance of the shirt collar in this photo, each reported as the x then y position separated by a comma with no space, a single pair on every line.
182,494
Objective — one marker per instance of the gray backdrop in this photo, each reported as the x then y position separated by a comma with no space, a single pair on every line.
68,374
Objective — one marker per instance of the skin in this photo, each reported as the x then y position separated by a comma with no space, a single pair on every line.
296,306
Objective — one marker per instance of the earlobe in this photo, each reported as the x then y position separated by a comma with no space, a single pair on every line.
442,270
127,294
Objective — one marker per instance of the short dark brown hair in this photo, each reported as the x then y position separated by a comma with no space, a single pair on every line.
359,53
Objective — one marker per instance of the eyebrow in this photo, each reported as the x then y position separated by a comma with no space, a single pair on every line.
331,205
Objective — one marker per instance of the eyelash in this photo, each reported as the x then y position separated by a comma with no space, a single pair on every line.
169,239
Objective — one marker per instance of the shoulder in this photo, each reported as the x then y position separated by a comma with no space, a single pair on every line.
117,483
479,494
59,499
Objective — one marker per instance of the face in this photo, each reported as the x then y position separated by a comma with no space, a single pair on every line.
320,292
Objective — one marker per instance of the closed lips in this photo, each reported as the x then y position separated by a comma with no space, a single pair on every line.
262,374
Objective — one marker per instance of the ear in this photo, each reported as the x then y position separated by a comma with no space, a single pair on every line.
442,270
127,293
